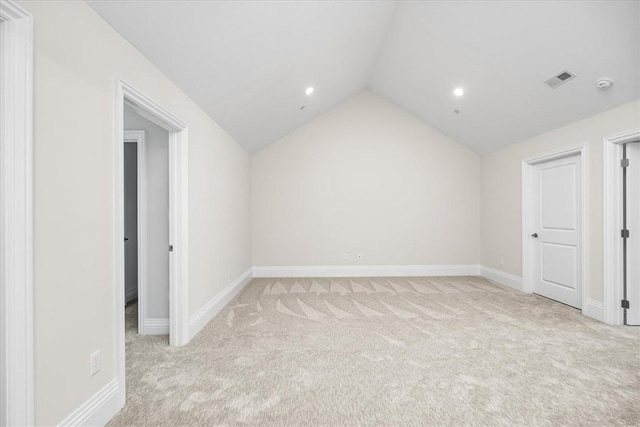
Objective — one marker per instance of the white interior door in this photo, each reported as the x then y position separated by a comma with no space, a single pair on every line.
557,230
633,242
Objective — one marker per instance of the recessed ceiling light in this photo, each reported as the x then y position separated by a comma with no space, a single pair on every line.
309,90
458,91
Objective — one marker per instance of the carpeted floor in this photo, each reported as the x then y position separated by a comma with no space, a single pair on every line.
387,351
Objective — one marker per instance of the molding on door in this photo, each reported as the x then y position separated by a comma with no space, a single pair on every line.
178,220
527,170
138,137
367,271
16,216
98,410
200,318
612,223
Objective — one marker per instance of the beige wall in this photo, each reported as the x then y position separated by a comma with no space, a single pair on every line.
78,57
365,177
502,192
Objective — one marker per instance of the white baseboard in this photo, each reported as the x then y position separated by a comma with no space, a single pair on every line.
501,277
156,326
595,309
98,410
208,311
368,271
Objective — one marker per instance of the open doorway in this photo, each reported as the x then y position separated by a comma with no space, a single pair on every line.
135,207
146,214
134,110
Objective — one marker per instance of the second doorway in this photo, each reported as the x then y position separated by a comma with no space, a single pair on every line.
146,212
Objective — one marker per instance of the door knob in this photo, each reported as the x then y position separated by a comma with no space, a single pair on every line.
126,238
534,235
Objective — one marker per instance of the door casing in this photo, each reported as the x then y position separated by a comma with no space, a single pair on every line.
527,217
178,220
612,218
16,217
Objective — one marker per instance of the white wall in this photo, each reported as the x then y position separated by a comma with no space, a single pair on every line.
502,192
78,57
157,171
365,177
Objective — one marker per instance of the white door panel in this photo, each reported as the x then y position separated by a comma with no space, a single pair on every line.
557,224
633,242
557,261
558,208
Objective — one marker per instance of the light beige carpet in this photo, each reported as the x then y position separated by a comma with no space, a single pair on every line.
387,351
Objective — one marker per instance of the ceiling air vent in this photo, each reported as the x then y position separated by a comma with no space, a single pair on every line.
560,78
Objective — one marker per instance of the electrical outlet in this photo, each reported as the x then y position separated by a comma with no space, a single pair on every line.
501,261
359,257
345,256
95,363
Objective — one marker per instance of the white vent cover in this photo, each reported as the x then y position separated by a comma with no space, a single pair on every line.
560,78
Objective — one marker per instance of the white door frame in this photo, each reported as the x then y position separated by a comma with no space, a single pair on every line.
527,205
137,137
16,216
612,210
178,219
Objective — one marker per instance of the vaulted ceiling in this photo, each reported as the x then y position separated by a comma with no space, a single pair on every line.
247,64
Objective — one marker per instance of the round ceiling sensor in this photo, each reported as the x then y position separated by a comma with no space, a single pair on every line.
604,83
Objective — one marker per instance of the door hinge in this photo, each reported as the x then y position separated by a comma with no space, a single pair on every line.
624,163
624,234
625,303
170,248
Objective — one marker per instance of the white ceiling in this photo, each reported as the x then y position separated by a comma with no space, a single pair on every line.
247,64
501,52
